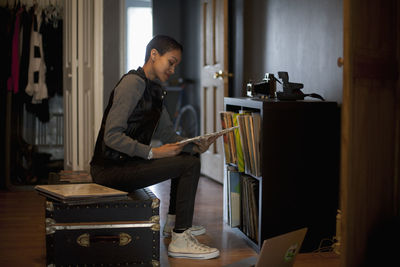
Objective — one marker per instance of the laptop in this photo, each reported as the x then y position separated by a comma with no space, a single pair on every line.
278,251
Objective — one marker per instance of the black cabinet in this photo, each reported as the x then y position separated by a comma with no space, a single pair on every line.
299,182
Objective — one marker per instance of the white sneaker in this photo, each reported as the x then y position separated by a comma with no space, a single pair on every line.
185,245
170,224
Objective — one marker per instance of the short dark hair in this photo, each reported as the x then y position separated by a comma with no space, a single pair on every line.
162,44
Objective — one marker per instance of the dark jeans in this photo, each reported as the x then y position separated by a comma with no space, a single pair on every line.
183,170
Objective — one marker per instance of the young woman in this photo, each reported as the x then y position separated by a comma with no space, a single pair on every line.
124,159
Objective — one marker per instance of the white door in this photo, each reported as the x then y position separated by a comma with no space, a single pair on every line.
82,71
214,59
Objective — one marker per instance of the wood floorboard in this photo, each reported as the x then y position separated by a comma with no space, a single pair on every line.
22,230
208,212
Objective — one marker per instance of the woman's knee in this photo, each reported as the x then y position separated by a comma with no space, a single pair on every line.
193,162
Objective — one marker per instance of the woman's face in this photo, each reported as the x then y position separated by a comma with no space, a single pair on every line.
164,65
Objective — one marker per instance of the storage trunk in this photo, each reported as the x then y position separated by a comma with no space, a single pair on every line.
116,233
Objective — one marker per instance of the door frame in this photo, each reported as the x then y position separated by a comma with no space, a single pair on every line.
98,67
83,80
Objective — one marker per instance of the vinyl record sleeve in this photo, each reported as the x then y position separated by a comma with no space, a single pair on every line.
205,136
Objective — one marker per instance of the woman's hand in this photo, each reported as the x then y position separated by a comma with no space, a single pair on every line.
167,150
202,145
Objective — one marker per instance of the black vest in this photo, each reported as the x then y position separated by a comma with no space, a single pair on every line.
141,123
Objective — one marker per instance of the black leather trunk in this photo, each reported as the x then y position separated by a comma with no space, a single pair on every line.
116,233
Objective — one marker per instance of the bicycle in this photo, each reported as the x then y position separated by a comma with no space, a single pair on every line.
184,117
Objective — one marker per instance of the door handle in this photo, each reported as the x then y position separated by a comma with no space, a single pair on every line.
222,74
340,62
86,239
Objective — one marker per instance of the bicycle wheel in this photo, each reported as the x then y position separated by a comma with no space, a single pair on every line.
186,124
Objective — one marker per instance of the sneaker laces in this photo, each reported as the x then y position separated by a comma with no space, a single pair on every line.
195,241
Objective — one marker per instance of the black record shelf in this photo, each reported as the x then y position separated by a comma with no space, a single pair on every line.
299,159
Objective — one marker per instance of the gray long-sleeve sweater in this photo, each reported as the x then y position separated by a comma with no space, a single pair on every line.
126,96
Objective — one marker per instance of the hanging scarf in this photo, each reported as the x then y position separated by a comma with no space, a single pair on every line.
37,68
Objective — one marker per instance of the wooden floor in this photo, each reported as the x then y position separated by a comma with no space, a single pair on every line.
22,232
